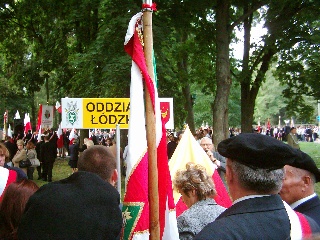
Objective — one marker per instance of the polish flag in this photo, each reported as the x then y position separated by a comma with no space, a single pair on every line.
58,107
6,177
27,123
60,137
72,136
136,209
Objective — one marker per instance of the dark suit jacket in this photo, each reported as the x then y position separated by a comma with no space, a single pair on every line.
48,152
311,208
255,218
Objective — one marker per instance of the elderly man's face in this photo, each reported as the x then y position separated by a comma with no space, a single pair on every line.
293,185
206,145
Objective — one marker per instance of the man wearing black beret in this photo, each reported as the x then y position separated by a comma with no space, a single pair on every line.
254,174
82,206
298,188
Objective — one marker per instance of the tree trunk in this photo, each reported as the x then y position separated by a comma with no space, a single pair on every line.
249,91
220,105
183,77
189,107
247,106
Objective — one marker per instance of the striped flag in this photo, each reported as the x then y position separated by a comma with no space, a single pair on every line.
60,137
27,123
189,150
6,177
136,200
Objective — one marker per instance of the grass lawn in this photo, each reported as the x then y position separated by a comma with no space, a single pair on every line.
62,170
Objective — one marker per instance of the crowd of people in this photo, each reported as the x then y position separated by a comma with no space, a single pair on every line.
271,183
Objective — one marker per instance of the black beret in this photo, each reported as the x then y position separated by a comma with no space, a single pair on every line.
82,206
257,151
306,162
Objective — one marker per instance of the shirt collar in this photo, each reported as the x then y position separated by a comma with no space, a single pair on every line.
248,197
297,203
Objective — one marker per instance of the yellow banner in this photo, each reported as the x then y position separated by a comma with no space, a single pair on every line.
106,112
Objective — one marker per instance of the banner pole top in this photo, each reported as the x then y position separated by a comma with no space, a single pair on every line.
148,5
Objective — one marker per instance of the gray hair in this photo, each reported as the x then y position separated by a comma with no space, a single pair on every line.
262,181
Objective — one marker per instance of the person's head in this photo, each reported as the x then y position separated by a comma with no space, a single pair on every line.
206,144
205,131
20,144
46,138
255,163
194,184
101,161
8,138
261,181
14,201
89,143
109,142
30,145
293,130
4,154
300,178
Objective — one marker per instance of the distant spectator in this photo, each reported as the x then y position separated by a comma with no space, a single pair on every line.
20,155
48,156
4,160
74,155
171,145
292,138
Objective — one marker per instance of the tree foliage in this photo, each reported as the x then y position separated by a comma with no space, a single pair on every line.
75,49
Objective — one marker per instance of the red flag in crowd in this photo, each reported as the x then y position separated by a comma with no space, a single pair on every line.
60,137
27,123
58,107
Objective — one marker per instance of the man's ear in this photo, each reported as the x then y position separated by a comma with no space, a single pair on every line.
307,180
229,172
114,177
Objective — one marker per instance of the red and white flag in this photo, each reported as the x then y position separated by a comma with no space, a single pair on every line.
58,107
136,199
60,137
6,178
72,136
27,123
189,150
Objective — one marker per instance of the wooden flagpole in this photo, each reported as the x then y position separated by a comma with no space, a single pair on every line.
151,126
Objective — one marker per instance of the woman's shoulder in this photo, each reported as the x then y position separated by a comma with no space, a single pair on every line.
207,208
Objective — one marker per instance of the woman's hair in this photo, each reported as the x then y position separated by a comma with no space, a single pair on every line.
30,145
89,143
20,142
196,178
14,200
4,150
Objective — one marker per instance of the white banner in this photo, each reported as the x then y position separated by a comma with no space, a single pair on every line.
47,117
